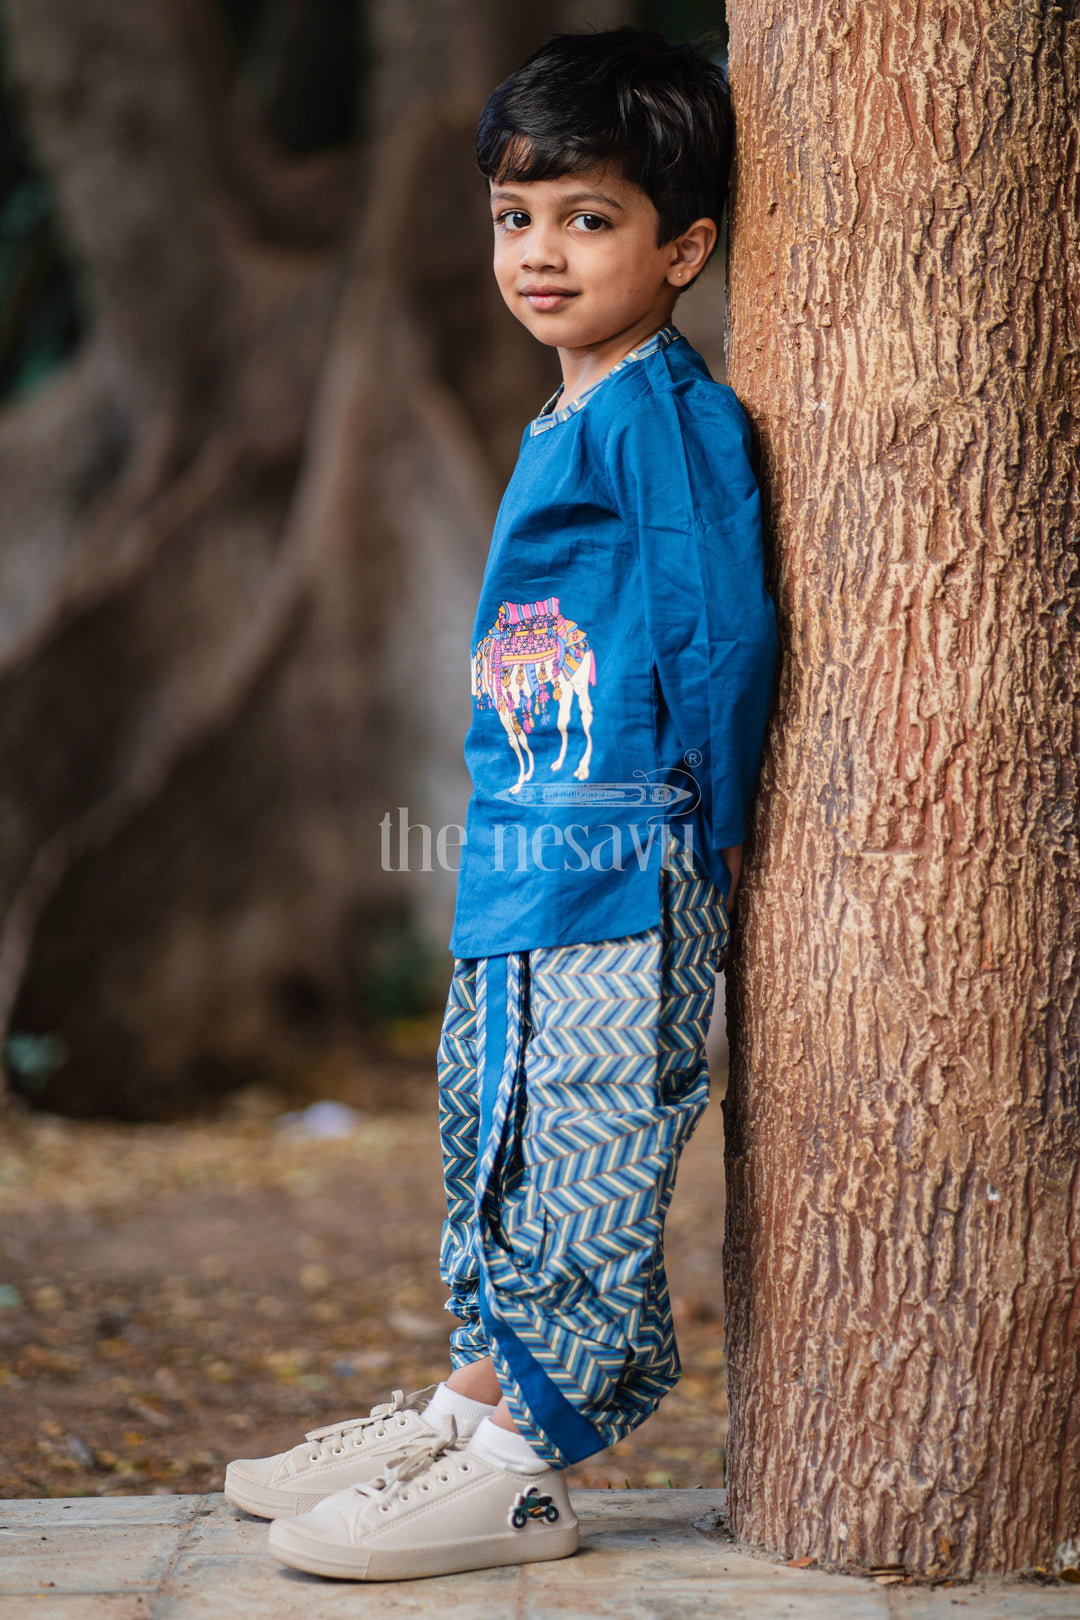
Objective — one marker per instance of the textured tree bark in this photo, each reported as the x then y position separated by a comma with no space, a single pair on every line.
902,1257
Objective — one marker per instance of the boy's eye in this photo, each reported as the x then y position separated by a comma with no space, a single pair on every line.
589,222
514,219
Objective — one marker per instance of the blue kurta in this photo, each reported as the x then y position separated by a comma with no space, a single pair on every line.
622,659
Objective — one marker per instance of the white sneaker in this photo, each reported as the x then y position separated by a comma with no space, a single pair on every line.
330,1459
444,1509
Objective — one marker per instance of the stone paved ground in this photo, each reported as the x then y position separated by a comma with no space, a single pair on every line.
642,1558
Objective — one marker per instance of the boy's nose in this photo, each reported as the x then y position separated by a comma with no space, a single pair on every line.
541,251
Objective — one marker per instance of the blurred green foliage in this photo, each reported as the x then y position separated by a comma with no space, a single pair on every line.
41,318
306,65
393,972
32,1060
688,20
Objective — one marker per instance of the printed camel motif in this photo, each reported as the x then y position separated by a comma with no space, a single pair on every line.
531,655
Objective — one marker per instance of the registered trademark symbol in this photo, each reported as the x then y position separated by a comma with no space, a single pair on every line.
692,757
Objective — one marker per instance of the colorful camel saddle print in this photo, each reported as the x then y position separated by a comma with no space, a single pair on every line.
531,657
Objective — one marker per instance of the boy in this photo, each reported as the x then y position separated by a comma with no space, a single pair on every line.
621,666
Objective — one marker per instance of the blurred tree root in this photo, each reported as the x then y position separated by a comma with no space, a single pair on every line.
240,544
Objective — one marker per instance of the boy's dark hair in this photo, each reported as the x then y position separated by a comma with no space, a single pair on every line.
660,113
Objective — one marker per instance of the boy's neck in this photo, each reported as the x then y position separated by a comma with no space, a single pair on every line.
581,368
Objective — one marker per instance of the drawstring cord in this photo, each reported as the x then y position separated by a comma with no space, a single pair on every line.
398,1475
334,1433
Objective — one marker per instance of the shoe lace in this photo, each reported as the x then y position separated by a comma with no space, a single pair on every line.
398,1474
361,1429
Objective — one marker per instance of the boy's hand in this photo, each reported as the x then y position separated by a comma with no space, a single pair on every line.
733,862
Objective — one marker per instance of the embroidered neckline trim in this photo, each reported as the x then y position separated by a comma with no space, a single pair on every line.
548,416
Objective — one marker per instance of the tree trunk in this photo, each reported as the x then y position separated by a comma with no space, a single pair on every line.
902,1258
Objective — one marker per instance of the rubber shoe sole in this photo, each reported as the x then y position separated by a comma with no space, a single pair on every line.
265,1501
290,1545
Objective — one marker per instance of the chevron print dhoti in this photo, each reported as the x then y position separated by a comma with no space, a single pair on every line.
570,1080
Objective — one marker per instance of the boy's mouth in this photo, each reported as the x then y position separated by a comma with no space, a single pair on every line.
546,298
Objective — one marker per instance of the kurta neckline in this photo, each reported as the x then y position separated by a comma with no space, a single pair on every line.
549,418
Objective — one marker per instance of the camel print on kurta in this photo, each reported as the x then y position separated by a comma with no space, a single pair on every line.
532,656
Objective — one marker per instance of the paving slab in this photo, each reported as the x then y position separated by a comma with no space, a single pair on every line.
645,1555
100,1606
117,1511
127,1558
997,1600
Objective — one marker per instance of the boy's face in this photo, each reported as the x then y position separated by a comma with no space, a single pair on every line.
577,260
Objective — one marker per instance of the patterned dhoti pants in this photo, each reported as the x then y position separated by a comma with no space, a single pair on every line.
570,1079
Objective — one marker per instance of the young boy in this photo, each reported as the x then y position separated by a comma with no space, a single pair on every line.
621,667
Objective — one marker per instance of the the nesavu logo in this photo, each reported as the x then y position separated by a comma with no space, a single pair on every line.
577,848
588,845
547,846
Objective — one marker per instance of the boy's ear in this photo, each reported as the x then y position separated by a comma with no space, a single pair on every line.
689,251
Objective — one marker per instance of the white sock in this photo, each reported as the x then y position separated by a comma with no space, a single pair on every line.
506,1449
446,1402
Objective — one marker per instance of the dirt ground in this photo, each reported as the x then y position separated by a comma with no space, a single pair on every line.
174,1296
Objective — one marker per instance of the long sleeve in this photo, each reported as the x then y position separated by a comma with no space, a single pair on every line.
679,466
